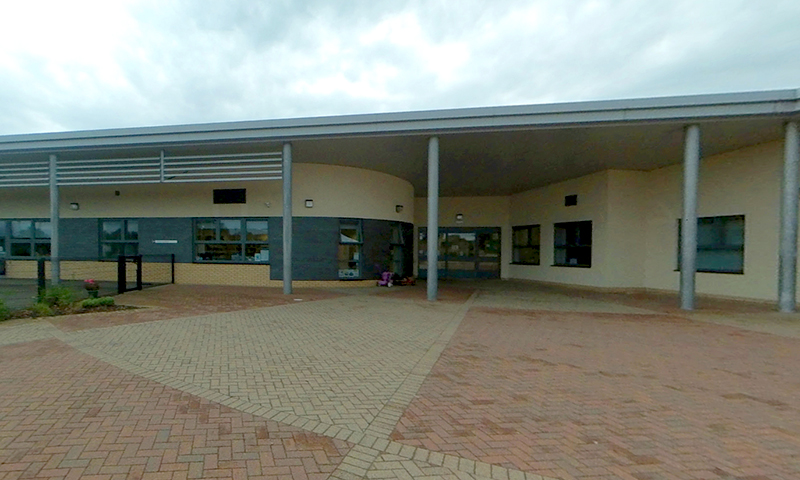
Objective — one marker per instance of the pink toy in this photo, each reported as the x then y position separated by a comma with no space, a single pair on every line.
386,279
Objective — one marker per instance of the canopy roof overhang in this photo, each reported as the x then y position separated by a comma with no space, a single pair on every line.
483,151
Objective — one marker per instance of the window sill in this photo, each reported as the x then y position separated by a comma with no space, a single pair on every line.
523,263
567,265
229,262
724,272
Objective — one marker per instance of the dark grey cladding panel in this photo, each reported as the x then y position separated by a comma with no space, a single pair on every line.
152,230
315,248
79,239
377,247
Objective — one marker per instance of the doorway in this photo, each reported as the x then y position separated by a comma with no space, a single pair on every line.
464,252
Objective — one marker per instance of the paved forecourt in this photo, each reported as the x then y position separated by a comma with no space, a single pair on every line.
339,370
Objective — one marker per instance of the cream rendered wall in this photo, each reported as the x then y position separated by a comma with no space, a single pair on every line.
747,182
477,211
545,206
25,202
626,239
336,191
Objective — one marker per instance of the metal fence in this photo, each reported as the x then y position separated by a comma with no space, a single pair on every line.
126,272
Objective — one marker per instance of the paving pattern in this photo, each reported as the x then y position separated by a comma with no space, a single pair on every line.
72,416
601,396
239,382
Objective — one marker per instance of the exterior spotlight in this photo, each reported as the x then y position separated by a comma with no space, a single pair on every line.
74,206
309,203
459,218
398,208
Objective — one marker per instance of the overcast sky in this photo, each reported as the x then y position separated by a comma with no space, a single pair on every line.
86,64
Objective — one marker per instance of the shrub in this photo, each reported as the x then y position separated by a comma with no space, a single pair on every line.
58,296
97,302
40,309
5,312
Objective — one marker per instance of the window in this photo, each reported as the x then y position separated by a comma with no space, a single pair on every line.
30,238
232,240
572,244
720,244
398,249
350,241
118,237
230,195
3,236
525,245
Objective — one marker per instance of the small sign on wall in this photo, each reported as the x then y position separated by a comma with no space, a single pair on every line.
160,242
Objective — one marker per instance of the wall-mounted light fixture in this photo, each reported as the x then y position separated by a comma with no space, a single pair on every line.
267,204
74,206
398,208
309,203
459,218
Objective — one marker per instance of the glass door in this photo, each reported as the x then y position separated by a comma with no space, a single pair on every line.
464,252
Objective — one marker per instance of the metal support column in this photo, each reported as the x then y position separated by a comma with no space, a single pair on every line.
691,171
433,218
55,259
787,263
287,218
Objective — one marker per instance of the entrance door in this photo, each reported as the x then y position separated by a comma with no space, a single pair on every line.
464,252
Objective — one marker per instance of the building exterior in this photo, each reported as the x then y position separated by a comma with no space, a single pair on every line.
696,194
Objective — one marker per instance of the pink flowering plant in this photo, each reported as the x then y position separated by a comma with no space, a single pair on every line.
91,287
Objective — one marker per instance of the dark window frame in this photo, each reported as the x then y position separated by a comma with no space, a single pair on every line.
242,242
721,222
33,241
518,247
122,241
575,244
359,244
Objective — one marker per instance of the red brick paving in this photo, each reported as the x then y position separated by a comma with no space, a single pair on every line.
176,301
601,396
64,415
452,293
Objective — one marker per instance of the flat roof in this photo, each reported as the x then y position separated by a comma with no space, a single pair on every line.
484,151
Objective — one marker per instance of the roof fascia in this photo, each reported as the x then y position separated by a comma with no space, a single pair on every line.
785,103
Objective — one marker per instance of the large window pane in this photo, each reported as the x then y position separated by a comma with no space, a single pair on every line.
526,239
230,230
349,234
131,230
21,229
220,252
112,230
206,231
110,251
43,230
257,230
572,244
349,256
21,249
461,244
257,252
720,244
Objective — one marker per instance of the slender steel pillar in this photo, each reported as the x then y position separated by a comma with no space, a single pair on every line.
55,259
691,171
287,218
787,263
433,218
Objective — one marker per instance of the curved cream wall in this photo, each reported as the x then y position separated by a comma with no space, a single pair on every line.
337,192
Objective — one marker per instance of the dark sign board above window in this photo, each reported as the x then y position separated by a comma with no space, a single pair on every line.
230,195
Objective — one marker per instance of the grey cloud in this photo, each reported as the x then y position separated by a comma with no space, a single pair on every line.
190,61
